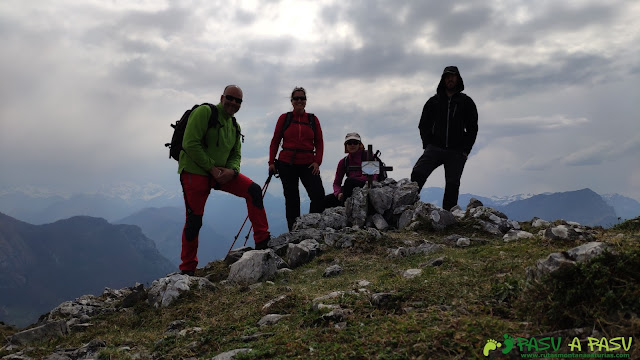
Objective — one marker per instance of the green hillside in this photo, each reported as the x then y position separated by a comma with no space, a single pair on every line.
471,299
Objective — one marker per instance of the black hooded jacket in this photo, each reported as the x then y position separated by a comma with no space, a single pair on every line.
449,123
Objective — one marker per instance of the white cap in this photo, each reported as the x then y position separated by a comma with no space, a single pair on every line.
352,136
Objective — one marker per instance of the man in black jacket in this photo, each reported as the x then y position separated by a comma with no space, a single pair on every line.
448,128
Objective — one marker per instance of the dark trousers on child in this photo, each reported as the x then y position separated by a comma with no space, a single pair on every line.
331,200
291,175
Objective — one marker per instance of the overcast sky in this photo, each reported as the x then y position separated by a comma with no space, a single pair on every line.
88,88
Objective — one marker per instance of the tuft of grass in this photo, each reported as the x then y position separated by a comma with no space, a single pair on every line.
577,297
629,225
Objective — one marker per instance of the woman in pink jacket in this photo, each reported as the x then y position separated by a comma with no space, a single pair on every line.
355,151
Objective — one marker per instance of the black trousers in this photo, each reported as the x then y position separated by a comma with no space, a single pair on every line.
291,175
453,161
347,190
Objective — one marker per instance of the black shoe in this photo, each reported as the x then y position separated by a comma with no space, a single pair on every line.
188,272
263,245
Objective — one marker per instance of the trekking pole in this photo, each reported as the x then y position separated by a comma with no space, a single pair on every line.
264,189
264,192
238,234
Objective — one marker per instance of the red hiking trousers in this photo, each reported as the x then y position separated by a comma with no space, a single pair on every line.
196,189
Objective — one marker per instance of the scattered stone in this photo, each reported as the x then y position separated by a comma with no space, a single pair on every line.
273,302
270,319
463,242
231,355
568,231
137,295
321,306
254,337
383,299
340,325
253,267
164,291
47,331
379,222
411,273
474,203
457,212
435,262
336,315
556,263
429,215
302,253
235,254
514,235
175,327
332,270
331,295
357,206
539,223
424,248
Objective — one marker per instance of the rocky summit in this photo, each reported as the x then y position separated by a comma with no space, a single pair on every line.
386,276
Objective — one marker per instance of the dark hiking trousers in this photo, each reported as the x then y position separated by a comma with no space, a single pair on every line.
347,190
453,161
289,175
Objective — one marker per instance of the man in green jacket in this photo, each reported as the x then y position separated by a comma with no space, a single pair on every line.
210,159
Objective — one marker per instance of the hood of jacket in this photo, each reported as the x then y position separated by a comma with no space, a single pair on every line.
450,70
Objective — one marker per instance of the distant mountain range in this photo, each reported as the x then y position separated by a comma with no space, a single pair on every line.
159,213
40,206
583,206
42,266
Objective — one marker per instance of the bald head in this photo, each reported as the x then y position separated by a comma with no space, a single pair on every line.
231,99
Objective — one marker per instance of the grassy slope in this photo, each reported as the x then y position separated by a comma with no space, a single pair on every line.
447,312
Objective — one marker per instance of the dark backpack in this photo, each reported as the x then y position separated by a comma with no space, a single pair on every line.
289,119
175,146
381,175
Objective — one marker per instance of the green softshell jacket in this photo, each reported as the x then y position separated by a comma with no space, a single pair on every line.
221,148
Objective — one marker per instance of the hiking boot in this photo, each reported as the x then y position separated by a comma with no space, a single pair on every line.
263,245
188,272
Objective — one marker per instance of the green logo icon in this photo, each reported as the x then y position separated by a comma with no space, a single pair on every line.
492,345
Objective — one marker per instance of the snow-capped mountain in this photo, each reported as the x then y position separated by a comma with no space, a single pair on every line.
37,205
134,192
504,200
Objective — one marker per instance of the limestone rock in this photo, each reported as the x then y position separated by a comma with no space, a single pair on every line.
163,292
253,267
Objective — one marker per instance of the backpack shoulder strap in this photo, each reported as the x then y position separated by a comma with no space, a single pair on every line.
235,125
346,164
287,122
312,122
213,118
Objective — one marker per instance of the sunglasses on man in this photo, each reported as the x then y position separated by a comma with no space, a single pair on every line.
233,98
296,98
352,142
